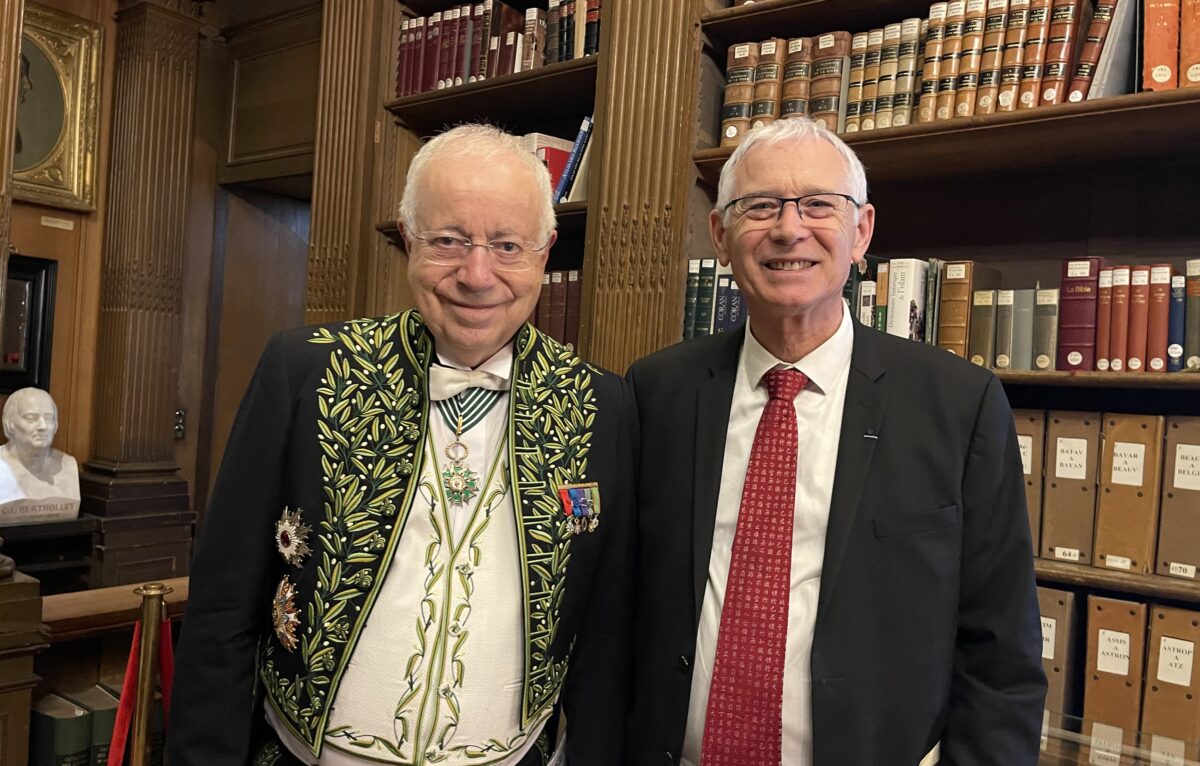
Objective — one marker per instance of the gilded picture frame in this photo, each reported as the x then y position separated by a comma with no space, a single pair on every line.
58,111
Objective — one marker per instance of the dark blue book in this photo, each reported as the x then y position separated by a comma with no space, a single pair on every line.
568,176
689,298
721,300
737,306
1175,324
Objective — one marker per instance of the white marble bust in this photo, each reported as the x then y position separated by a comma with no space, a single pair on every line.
37,482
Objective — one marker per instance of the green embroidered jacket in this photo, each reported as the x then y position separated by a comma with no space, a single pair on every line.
332,428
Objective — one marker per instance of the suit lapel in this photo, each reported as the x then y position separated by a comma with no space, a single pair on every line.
862,416
714,396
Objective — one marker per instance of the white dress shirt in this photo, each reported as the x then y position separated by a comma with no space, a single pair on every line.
819,421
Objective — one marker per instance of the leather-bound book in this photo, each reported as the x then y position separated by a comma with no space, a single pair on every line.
1160,44
1077,313
969,58
1139,317
739,92
931,61
483,50
447,47
1120,319
889,64
1061,43
1014,55
431,53
1036,36
993,55
858,52
907,72
1189,44
542,312
952,40
1093,46
1159,318
959,279
797,77
1104,319
830,79
768,79
553,32
558,306
870,83
591,30
466,37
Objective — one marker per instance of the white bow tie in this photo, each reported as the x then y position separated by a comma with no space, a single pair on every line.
447,382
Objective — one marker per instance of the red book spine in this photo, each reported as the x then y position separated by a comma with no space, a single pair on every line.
462,44
402,49
1159,317
1139,316
1077,314
477,60
1093,46
447,46
1060,45
1120,318
543,305
1160,44
485,40
558,306
1104,319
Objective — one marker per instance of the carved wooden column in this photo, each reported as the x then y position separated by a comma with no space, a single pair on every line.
10,54
634,275
347,107
133,469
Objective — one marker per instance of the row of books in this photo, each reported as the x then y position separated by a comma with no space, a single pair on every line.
712,302
557,311
968,57
1104,317
75,728
1112,490
1136,670
476,41
567,161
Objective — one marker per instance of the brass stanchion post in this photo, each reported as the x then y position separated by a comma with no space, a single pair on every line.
152,611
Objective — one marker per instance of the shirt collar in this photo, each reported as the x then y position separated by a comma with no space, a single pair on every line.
499,364
822,365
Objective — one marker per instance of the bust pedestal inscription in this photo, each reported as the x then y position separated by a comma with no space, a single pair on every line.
37,482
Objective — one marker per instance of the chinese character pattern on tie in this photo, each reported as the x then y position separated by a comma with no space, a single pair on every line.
744,723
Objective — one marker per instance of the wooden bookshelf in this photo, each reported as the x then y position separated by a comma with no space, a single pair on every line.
1131,127
1144,380
520,103
772,18
71,616
1150,586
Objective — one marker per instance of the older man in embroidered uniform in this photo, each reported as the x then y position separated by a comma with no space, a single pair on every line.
417,546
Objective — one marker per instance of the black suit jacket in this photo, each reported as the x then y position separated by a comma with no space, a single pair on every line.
332,427
927,623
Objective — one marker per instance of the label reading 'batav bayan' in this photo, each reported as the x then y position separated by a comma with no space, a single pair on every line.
1070,461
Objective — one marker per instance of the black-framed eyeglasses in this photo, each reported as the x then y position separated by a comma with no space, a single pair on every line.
452,250
822,206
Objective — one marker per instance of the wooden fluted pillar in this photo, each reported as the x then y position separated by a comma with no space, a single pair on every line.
133,469
636,221
10,55
347,114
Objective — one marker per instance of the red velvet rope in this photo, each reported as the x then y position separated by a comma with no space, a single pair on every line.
125,708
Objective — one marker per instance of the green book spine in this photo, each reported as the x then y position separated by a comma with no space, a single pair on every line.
689,298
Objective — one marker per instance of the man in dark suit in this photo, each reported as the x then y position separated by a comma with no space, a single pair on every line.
834,561
416,550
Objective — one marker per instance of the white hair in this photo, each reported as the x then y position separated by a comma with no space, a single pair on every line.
791,129
483,143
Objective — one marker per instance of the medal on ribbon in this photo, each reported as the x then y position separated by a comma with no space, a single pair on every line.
460,482
581,506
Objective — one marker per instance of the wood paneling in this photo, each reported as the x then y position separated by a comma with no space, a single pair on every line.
347,109
11,13
262,252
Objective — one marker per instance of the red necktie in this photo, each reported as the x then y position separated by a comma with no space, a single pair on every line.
744,724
